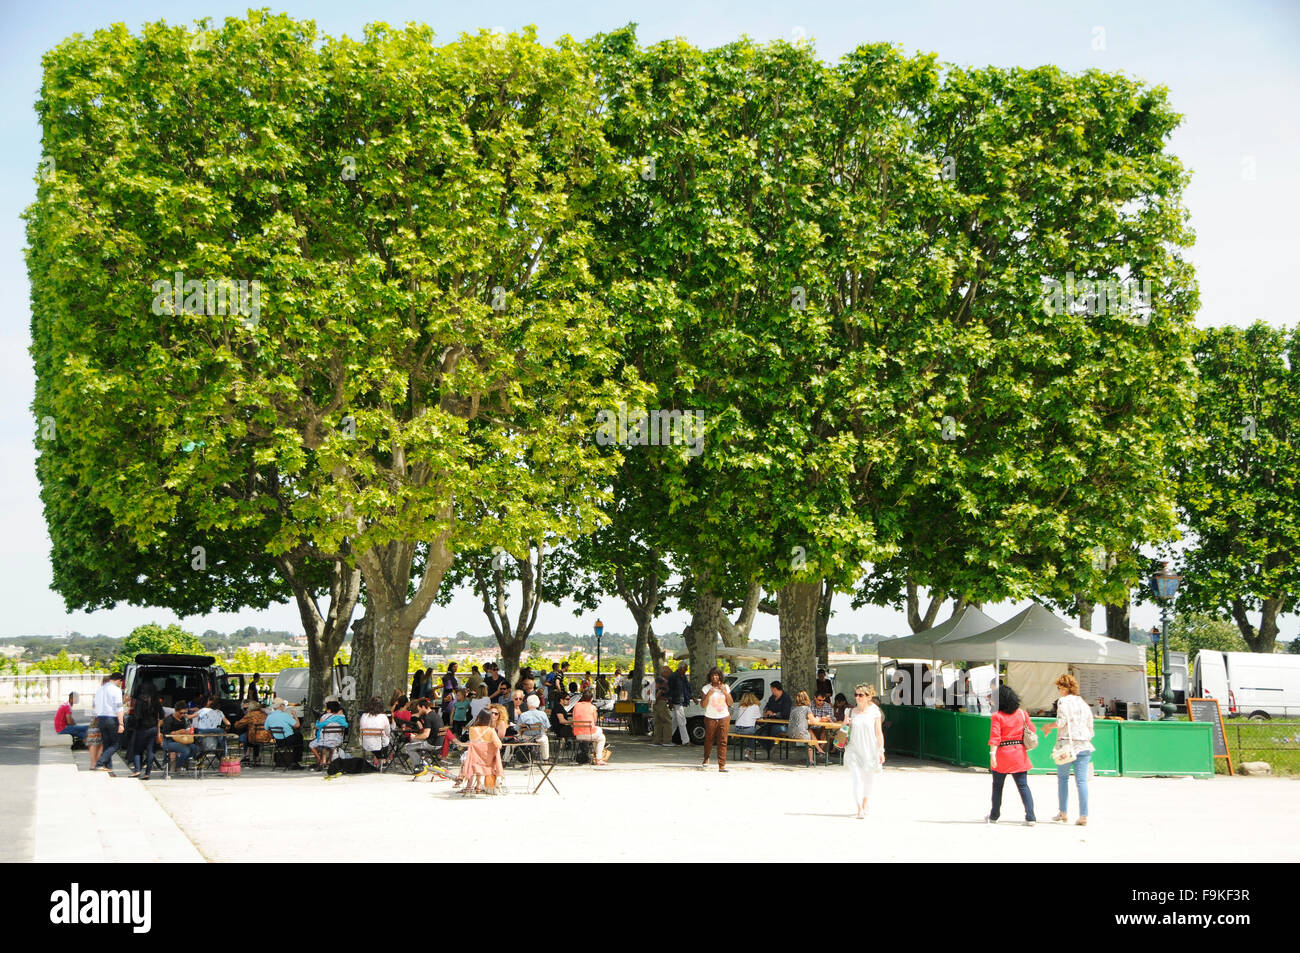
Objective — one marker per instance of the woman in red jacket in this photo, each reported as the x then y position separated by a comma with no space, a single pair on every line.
1007,754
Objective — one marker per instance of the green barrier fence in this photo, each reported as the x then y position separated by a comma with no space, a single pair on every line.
1122,747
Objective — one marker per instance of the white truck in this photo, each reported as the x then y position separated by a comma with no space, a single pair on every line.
1248,684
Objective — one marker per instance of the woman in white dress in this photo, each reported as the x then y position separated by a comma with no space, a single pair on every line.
864,754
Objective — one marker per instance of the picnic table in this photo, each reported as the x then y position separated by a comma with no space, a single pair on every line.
780,738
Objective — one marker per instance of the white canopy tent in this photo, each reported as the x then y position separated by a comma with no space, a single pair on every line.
964,623
1038,646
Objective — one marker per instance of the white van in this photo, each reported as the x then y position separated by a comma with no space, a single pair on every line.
759,681
1249,684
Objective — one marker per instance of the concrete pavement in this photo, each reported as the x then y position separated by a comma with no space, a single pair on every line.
648,804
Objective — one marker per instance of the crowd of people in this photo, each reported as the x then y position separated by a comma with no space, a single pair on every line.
484,716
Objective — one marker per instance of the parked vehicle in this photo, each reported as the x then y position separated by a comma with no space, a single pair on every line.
759,681
1248,684
292,684
183,678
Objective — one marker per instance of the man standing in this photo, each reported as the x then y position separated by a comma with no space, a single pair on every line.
65,724
823,686
679,696
108,714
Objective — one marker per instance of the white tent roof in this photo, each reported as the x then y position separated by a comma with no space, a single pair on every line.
1037,635
963,624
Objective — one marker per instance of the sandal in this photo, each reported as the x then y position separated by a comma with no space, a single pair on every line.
1081,822
1060,818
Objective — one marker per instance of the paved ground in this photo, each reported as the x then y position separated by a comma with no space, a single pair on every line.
652,803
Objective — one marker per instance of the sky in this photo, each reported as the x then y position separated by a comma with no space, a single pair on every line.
1233,71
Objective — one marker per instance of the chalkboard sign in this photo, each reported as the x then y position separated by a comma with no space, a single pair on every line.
1207,710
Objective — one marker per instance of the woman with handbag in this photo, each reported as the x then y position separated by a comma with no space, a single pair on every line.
1011,735
1073,747
864,752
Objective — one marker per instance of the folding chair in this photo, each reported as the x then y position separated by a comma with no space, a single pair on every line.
334,731
287,754
583,744
385,740
210,750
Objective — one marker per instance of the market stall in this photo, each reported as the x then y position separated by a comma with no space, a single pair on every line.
1037,647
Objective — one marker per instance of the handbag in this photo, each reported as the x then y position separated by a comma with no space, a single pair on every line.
1062,754
1030,735
842,736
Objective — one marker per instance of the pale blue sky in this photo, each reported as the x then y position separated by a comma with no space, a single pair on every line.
1233,70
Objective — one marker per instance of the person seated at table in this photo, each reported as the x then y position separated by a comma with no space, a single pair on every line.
283,727
560,714
209,720
479,701
529,687
839,708
747,713
799,724
325,743
426,727
178,723
501,722
517,704
65,724
401,709
481,768
376,719
585,728
778,707
821,711
533,726
252,727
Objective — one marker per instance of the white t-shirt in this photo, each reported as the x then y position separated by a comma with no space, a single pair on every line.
477,705
375,721
747,717
715,702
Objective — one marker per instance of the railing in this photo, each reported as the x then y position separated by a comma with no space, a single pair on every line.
40,689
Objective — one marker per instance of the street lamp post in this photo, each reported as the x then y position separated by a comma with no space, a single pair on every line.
600,630
1155,645
1165,584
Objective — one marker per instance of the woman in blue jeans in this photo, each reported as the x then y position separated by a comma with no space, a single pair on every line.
1073,747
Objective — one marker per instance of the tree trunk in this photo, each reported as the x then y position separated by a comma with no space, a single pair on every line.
797,605
642,600
361,664
702,635
657,653
325,633
386,570
491,586
1084,607
512,650
918,622
823,620
736,634
1117,621
1265,639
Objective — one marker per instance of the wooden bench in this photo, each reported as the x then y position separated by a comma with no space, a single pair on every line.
740,740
